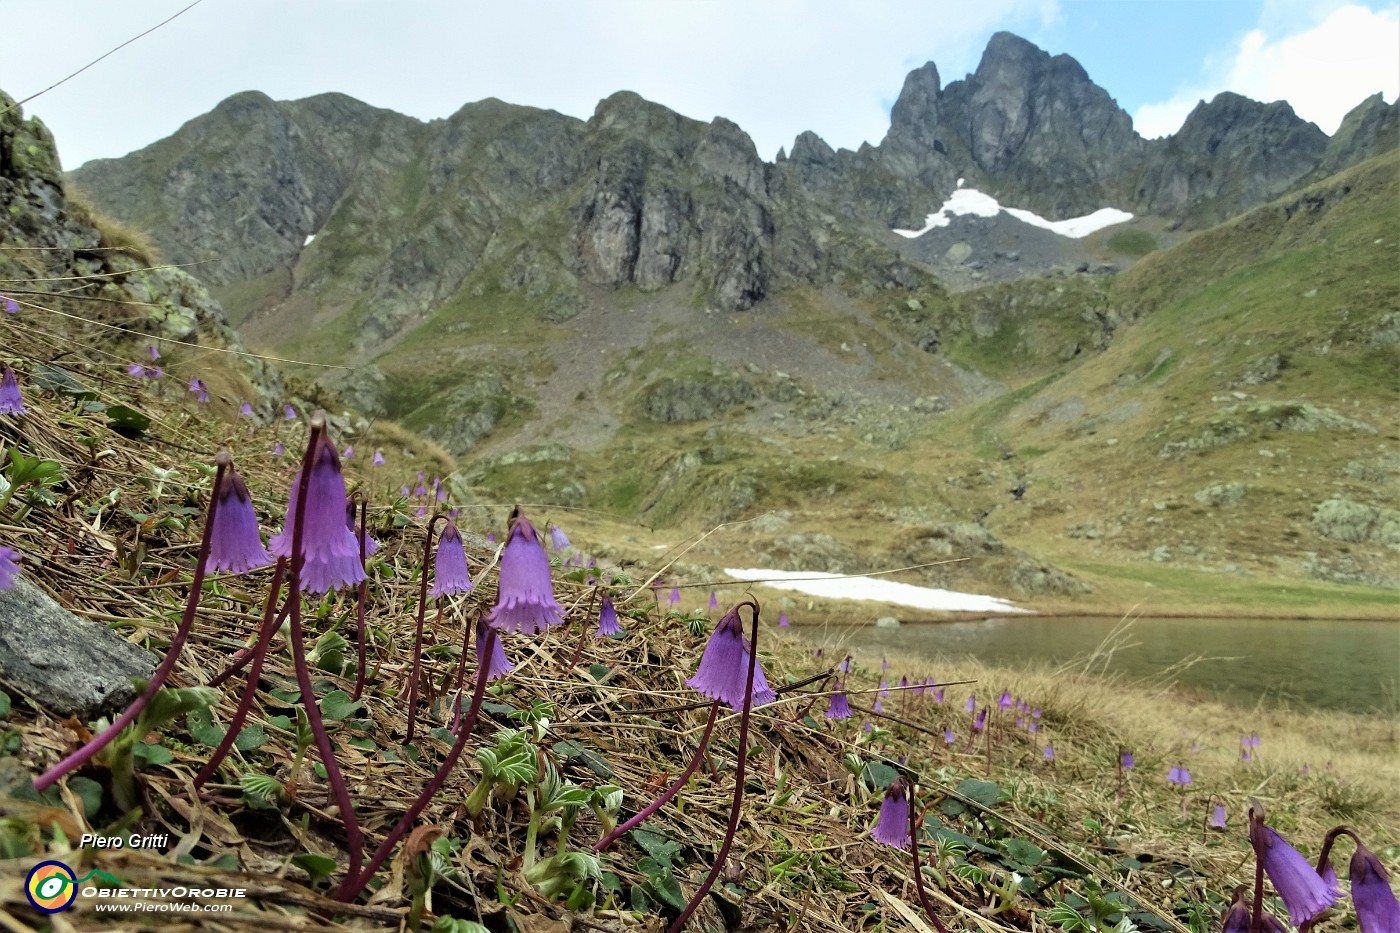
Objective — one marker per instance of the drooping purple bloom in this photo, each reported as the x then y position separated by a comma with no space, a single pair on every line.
724,667
714,600
1004,701
892,825
11,402
525,592
884,688
607,619
877,706
1020,722
1033,728
349,452
11,306
1049,752
155,354
557,539
201,390
971,703
884,664
675,596
1237,918
845,665
441,494
980,722
949,736
1305,893
938,696
1179,776
330,553
279,449
245,410
1035,713
9,566
378,459
289,412
840,707
1376,908
1127,761
783,620
403,490
371,545
450,574
1217,817
491,536
234,543
497,664
141,371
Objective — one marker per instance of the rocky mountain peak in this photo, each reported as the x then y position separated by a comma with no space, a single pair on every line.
914,116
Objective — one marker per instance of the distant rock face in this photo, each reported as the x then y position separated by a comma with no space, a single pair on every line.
1231,154
1370,129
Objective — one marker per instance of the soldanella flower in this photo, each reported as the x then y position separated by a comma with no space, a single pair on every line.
289,413
783,620
200,389
234,543
349,452
557,539
840,707
330,552
141,371
378,459
714,600
1237,919
971,703
607,619
450,573
1217,817
1305,893
1376,908
497,664
371,545
1004,701
525,594
892,824
1049,752
724,666
246,410
1126,760
11,402
11,306
949,736
675,596
9,566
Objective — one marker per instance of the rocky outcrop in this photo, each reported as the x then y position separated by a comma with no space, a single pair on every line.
1370,129
1231,154
67,251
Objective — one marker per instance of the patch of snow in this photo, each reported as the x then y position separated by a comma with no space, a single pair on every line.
835,586
309,238
960,182
971,201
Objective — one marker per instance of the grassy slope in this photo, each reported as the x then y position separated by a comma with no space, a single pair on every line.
1074,385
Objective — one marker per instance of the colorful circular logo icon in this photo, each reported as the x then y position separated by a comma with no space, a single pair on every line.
51,887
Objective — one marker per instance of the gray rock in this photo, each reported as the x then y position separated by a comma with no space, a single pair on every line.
1356,522
1220,494
887,622
72,666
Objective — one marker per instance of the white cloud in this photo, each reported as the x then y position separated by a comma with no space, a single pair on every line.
1323,70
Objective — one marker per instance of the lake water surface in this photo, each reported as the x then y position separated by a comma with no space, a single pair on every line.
1352,666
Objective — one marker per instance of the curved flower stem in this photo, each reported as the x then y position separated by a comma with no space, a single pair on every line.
245,655
182,632
353,843
270,623
360,605
418,638
671,791
739,769
354,884
914,820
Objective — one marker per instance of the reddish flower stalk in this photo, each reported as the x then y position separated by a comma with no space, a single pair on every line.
353,843
418,636
258,655
671,791
739,769
354,883
914,820
100,741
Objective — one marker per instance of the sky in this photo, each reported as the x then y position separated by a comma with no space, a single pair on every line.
775,67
